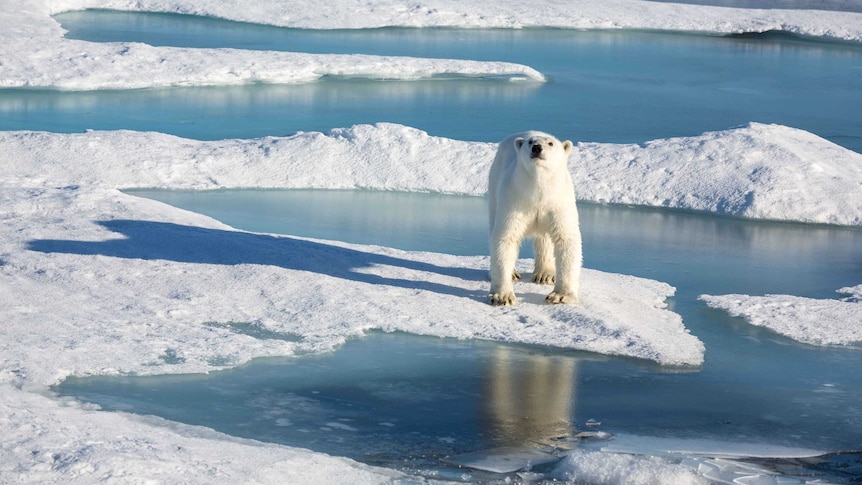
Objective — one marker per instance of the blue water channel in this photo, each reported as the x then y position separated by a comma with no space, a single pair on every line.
606,86
410,402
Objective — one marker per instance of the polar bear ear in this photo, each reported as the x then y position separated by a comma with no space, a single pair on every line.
519,142
567,146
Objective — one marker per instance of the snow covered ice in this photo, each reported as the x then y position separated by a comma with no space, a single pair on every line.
590,14
35,54
95,281
756,171
808,320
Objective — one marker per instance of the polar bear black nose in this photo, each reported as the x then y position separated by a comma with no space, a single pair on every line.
537,149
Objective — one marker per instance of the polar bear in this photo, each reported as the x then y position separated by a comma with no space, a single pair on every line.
530,194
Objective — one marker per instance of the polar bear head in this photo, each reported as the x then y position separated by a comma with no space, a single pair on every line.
542,150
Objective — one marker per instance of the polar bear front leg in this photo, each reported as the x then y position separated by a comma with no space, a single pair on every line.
544,272
569,260
504,253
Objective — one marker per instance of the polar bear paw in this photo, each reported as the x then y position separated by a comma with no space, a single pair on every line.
544,277
568,298
502,299
516,276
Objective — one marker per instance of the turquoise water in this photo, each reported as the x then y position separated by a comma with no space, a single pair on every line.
607,86
409,402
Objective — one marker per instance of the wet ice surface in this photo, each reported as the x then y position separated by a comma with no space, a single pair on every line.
412,402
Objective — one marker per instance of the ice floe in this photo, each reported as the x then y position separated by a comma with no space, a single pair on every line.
645,460
757,171
827,18
807,320
36,55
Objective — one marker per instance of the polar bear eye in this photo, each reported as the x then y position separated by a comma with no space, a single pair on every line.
550,143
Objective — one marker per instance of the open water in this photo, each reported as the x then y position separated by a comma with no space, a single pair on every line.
605,86
410,402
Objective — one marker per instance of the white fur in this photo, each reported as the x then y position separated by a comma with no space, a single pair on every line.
532,195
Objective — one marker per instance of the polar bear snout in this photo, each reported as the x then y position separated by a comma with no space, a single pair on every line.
537,150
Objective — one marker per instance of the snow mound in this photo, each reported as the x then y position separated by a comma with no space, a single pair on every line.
807,320
756,171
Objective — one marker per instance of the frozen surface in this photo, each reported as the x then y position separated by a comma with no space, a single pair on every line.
93,281
35,55
726,449
645,460
617,468
591,14
46,441
98,282
504,460
604,85
815,322
757,171
166,272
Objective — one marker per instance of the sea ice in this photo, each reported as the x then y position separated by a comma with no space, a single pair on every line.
634,459
504,460
94,281
807,320
757,171
589,14
36,55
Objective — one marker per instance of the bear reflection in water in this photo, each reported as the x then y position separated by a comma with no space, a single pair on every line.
530,402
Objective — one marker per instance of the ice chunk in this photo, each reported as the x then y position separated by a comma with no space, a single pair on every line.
807,320
503,460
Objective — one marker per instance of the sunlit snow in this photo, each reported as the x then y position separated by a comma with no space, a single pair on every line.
808,320
95,281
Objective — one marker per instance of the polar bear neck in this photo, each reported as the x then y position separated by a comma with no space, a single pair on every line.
542,172
541,184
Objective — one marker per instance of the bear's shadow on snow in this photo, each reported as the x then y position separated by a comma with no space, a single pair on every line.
150,240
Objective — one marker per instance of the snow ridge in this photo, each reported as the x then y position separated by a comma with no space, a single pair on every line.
756,171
